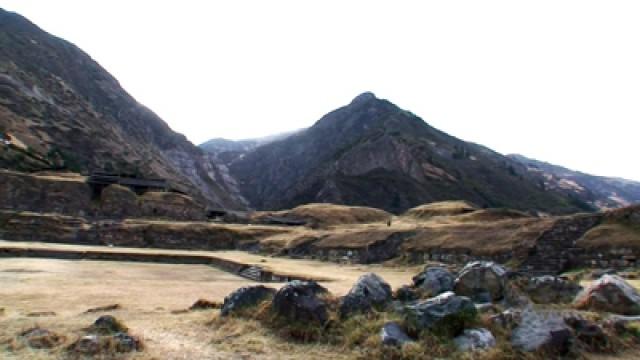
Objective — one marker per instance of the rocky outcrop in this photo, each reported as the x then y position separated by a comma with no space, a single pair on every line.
245,297
370,291
482,281
301,302
612,294
446,313
475,339
433,281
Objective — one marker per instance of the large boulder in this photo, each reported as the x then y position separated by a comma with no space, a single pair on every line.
301,302
434,280
475,339
393,335
610,293
244,298
551,290
446,314
542,332
369,291
483,281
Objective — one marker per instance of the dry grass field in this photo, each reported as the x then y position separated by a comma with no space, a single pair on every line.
153,298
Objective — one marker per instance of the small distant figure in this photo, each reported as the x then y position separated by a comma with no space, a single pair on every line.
389,222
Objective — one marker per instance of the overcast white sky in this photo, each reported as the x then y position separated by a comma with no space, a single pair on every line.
555,80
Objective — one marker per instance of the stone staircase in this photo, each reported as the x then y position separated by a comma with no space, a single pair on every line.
556,249
251,272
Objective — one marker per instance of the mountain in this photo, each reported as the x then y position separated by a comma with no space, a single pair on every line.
64,111
373,153
228,151
599,191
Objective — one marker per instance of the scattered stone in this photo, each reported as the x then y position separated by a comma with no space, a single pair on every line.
486,308
41,314
406,294
203,304
299,301
245,297
483,281
38,338
589,333
508,319
393,335
369,291
104,308
125,343
551,290
542,331
446,313
598,273
475,339
88,345
434,281
107,325
619,323
612,294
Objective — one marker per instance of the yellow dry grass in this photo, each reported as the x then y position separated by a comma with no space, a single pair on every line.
442,208
611,235
331,214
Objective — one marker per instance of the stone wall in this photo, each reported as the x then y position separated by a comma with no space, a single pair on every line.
24,226
69,194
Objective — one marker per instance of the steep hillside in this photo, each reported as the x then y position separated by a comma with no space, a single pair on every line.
599,191
61,110
228,151
372,153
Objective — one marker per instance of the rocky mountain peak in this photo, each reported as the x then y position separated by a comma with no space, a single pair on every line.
364,98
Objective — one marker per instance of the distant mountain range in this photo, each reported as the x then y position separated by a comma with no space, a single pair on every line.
60,110
598,191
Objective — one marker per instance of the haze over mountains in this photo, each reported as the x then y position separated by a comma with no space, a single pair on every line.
71,114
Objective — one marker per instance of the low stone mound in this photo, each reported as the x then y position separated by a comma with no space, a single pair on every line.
106,337
444,208
610,293
323,215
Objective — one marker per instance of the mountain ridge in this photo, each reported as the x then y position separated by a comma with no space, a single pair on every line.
372,153
71,114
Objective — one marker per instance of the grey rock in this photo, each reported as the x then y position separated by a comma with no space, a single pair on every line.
369,291
434,281
483,281
542,331
88,345
508,319
475,339
447,310
107,324
393,335
39,338
406,293
245,297
299,301
610,293
551,290
589,333
126,343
